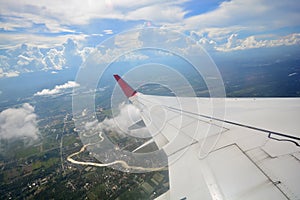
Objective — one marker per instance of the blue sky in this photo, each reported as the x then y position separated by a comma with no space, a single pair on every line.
220,26
58,36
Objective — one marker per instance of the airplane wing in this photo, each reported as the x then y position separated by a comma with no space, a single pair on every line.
251,153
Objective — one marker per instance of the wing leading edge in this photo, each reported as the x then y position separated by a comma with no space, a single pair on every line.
243,163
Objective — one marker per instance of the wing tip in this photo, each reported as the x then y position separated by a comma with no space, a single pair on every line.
117,77
127,89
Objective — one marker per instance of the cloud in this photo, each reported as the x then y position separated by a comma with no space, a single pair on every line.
240,24
46,27
159,13
134,56
30,58
118,50
108,32
9,40
19,123
9,73
23,58
58,16
54,59
12,74
251,42
292,74
57,89
249,15
127,116
128,40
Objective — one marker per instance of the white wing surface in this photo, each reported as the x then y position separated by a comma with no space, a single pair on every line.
251,151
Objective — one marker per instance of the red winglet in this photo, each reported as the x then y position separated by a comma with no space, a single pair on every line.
128,91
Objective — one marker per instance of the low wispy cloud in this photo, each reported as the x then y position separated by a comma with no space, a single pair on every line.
9,74
57,89
19,123
128,115
292,74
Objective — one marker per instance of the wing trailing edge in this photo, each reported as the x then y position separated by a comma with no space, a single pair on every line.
127,89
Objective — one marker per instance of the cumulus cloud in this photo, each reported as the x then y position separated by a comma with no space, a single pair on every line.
228,27
29,58
251,42
19,123
54,59
23,58
120,48
57,89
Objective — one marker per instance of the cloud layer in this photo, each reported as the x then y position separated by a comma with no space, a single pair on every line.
55,35
60,18
19,123
57,16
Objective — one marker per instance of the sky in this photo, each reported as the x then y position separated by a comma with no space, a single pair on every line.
53,35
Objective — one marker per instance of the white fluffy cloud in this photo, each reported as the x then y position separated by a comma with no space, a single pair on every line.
54,59
19,123
30,58
120,123
57,89
251,42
